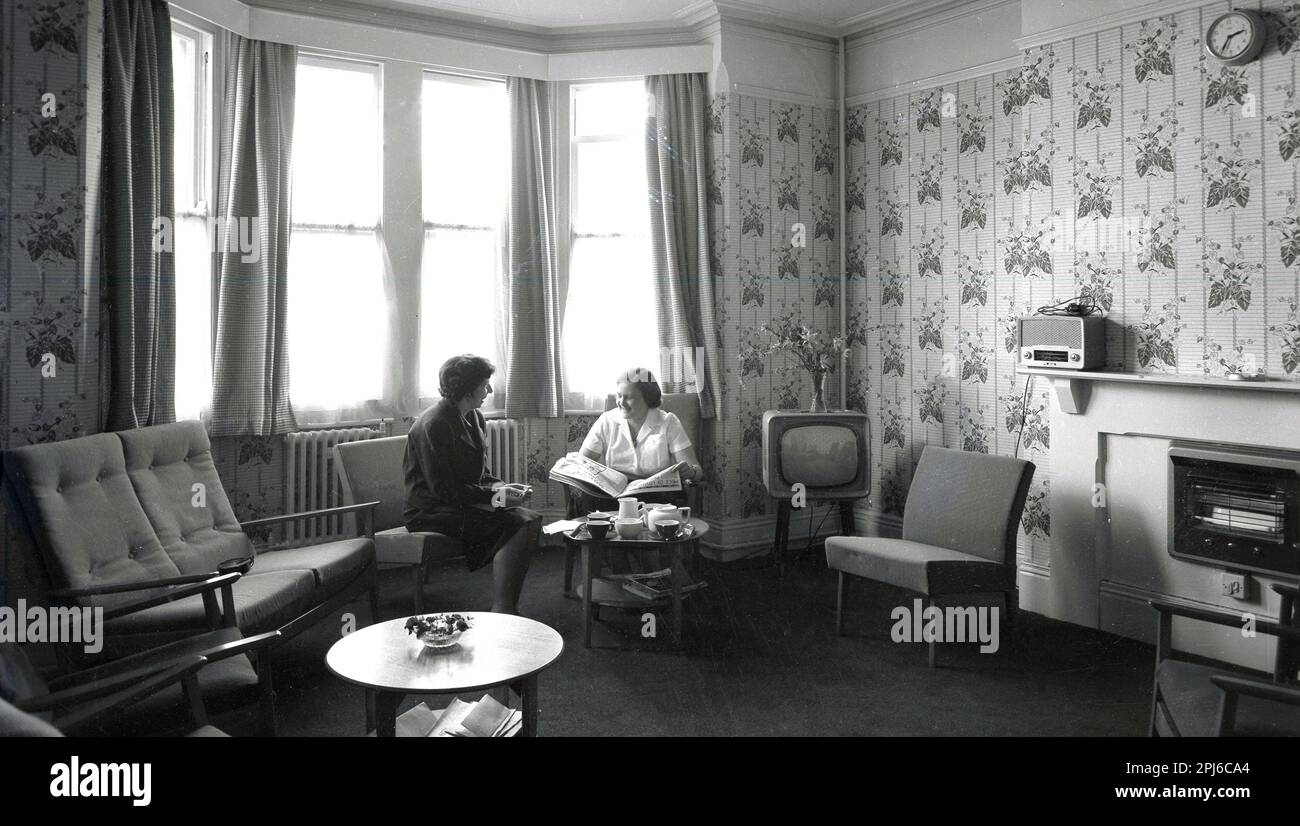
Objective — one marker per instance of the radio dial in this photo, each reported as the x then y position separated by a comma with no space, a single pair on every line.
1029,354
1074,357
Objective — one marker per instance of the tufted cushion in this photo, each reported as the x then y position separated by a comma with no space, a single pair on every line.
263,602
400,546
967,501
1193,703
333,564
916,566
371,471
164,463
85,517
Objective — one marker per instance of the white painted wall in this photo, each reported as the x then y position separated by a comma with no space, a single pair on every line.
776,65
899,58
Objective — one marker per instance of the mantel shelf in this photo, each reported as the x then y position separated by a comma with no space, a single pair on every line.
1073,387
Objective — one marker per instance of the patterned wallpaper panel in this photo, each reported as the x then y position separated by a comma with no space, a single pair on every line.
1122,165
49,280
774,168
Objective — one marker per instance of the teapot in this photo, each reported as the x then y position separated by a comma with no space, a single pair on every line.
657,513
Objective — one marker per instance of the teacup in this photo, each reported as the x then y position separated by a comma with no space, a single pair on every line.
627,528
668,528
598,528
600,516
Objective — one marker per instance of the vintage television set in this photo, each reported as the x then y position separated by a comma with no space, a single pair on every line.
829,453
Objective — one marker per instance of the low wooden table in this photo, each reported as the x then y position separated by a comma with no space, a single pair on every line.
597,591
498,650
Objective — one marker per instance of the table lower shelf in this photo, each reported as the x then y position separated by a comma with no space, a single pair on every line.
609,593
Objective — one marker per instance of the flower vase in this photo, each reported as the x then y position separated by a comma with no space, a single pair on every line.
819,393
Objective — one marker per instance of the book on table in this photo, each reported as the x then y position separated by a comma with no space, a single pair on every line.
656,584
590,476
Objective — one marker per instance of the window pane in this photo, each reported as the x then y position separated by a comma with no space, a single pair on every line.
457,305
609,321
465,161
337,320
464,133
193,317
336,145
185,106
610,188
610,109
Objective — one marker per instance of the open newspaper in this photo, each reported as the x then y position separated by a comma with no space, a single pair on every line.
592,477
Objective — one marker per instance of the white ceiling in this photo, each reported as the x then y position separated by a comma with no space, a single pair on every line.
567,13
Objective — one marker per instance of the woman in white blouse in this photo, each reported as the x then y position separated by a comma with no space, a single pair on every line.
638,438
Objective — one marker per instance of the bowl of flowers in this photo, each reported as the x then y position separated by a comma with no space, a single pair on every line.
438,630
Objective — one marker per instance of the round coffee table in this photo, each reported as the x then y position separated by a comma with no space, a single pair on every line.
596,590
498,650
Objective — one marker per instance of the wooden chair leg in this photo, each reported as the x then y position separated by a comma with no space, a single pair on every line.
934,645
417,580
568,570
841,602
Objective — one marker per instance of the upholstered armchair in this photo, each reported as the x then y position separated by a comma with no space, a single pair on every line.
1196,699
371,471
959,533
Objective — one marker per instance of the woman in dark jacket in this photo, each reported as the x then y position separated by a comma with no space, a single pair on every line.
449,489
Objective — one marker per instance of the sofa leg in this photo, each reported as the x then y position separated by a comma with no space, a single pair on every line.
374,604
841,602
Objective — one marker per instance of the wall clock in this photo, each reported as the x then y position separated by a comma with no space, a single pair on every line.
1236,37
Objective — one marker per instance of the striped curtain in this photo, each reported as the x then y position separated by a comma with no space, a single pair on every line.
138,215
533,287
676,159
250,370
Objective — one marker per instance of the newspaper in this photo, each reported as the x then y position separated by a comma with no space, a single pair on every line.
592,477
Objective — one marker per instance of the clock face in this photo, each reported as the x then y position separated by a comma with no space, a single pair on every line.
1235,37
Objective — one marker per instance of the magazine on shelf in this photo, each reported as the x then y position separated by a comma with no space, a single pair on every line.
592,477
656,585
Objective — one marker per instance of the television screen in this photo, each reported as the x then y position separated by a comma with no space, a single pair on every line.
819,455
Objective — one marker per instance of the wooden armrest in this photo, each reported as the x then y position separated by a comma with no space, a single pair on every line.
1257,688
291,517
116,683
209,583
1169,609
126,587
93,710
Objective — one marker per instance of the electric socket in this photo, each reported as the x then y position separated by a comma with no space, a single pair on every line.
1235,585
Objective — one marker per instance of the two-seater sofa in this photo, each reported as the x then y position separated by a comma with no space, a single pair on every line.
146,506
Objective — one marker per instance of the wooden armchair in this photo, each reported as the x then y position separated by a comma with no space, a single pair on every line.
1194,699
157,690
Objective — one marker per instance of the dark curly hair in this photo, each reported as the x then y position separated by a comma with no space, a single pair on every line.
644,379
459,375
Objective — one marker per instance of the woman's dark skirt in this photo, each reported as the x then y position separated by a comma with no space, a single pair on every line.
481,529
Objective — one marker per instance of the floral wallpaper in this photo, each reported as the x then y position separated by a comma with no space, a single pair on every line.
49,280
774,214
1125,166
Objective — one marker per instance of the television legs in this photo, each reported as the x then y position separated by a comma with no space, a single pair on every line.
848,527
